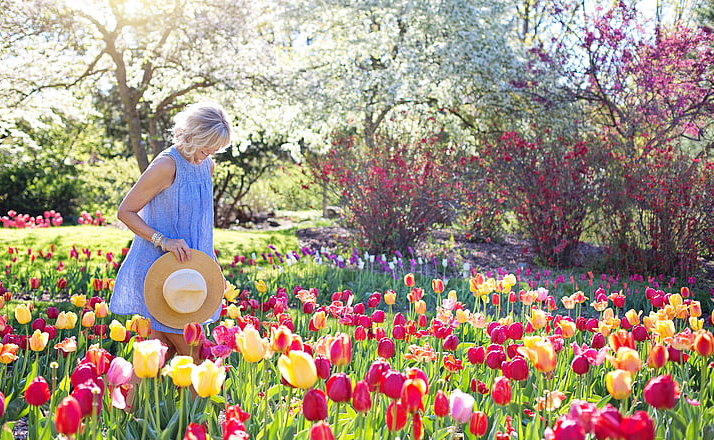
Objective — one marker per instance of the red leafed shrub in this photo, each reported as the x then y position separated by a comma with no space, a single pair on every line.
660,215
393,192
549,183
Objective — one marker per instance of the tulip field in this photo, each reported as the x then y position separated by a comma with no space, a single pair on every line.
315,345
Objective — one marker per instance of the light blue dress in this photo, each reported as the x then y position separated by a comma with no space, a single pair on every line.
183,210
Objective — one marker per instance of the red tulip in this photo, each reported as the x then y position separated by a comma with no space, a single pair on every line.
568,429
598,341
38,392
441,404
396,416
323,367
661,392
39,324
194,431
607,423
85,395
314,405
339,388
412,395
501,391
375,374
476,355
399,332
517,369
385,348
580,365
361,399
83,373
68,416
638,426
478,424
451,343
341,350
392,383
360,333
2,404
321,431
52,312
639,333
378,316
192,333
515,331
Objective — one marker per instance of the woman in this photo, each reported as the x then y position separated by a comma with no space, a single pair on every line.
170,209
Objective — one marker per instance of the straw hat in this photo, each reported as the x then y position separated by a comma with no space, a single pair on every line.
180,293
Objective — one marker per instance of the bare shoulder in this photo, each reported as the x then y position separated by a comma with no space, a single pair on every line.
161,172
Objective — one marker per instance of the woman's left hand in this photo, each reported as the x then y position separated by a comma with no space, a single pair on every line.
179,248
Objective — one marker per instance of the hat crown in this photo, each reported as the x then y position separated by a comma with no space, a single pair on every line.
185,290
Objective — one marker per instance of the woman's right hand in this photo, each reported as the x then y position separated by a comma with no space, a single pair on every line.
179,248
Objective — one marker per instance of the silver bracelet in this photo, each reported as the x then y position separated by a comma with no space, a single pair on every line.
156,239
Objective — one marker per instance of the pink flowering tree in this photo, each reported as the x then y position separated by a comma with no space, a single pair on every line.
649,91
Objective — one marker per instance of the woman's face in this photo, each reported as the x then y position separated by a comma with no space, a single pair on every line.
202,154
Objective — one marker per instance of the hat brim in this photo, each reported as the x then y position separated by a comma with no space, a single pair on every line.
165,266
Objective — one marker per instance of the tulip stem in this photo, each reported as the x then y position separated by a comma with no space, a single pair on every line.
158,406
182,391
265,396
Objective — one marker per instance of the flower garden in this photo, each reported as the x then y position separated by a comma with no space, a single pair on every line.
302,353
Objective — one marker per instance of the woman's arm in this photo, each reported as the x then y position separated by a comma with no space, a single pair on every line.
159,176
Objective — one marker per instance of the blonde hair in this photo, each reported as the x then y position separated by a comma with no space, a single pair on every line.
201,125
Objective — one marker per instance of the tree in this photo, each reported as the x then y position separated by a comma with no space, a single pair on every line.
353,63
156,55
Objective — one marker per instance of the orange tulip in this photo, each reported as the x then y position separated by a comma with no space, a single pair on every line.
658,356
627,359
540,351
409,280
8,353
437,286
703,343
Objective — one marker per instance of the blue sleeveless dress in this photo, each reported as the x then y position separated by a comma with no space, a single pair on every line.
183,210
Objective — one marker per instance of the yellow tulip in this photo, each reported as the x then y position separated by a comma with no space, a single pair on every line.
462,315
88,319
298,368
23,314
261,286
696,323
510,279
66,321
79,301
180,369
619,384
148,358
38,340
251,345
230,293
665,328
676,300
208,378
117,332
233,311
